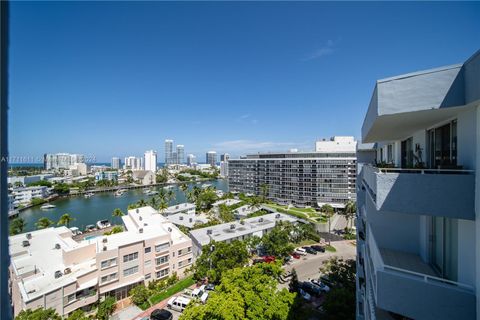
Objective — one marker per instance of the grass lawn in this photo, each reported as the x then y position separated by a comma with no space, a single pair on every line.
330,248
164,294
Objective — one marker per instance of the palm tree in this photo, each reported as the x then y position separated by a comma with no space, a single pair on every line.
264,191
162,206
153,202
184,187
141,203
117,213
225,213
43,223
255,202
65,220
328,212
17,226
170,195
162,194
350,210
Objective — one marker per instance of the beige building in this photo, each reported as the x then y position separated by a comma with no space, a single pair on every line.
144,177
50,269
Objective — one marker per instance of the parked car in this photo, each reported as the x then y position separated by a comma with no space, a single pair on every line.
322,285
310,288
161,314
204,297
310,250
295,256
269,259
178,303
210,287
257,260
318,248
301,251
305,295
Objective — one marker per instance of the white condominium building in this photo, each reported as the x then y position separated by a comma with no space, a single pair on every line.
169,152
191,160
151,161
50,269
115,163
133,163
61,160
25,195
302,179
418,222
180,154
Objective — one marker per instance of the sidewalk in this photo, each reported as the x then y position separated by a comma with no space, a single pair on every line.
161,305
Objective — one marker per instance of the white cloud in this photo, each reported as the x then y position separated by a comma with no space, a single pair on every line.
247,118
325,50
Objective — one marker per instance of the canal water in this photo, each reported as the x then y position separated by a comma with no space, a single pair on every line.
87,211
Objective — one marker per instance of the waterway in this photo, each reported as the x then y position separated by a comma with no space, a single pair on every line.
87,211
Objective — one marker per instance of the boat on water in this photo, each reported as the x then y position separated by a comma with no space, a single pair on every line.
90,228
119,193
168,187
206,185
151,193
48,206
102,224
88,195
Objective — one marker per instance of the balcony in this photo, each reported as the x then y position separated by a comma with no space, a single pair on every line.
433,192
402,283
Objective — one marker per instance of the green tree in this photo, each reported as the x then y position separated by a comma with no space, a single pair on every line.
139,294
44,223
37,201
163,206
77,315
17,226
117,213
205,199
106,308
277,241
245,293
264,192
184,187
293,284
38,314
328,211
225,213
218,257
61,188
115,229
350,211
170,195
65,220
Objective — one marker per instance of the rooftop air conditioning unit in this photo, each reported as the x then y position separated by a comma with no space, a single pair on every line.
181,218
139,218
67,271
140,230
232,226
57,246
169,229
209,231
191,220
25,243
29,236
58,274
277,215
105,240
104,248
260,220
137,211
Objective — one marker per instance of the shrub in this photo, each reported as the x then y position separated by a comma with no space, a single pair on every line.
139,294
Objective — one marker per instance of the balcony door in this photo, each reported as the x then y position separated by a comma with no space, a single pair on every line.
407,153
442,145
444,246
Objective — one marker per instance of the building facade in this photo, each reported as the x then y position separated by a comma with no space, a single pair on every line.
23,196
115,163
169,152
191,160
61,160
180,154
151,160
417,226
298,178
211,158
133,163
106,175
50,269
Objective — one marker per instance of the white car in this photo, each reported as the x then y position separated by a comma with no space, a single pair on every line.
301,251
178,303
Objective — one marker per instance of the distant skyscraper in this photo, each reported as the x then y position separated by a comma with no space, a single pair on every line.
224,157
174,158
169,152
133,163
151,160
191,159
211,158
62,160
180,154
115,163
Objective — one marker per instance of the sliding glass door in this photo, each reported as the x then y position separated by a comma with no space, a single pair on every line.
442,145
444,246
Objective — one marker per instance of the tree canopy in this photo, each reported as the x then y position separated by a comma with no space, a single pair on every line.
38,314
245,293
17,226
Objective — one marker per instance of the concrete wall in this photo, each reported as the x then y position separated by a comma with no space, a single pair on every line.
466,127
466,252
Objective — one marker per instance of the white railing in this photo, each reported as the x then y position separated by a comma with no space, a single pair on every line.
379,264
419,170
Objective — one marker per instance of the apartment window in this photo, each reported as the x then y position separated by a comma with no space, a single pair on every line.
162,273
162,247
189,249
70,298
148,276
442,145
189,260
108,277
162,260
148,250
108,263
444,247
390,153
130,257
130,271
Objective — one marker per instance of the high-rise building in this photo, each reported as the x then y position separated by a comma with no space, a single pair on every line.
211,158
224,157
168,152
61,160
299,178
417,203
174,157
224,169
180,154
133,163
191,159
151,160
115,163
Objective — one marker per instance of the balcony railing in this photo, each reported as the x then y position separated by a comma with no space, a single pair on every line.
434,192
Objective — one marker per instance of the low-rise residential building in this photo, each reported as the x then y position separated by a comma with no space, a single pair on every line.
244,211
50,269
227,202
106,175
25,180
237,230
187,219
23,196
187,208
324,176
144,177
417,219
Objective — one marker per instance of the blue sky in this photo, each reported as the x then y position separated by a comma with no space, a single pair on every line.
117,78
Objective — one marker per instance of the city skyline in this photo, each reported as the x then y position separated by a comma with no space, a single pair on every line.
181,72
